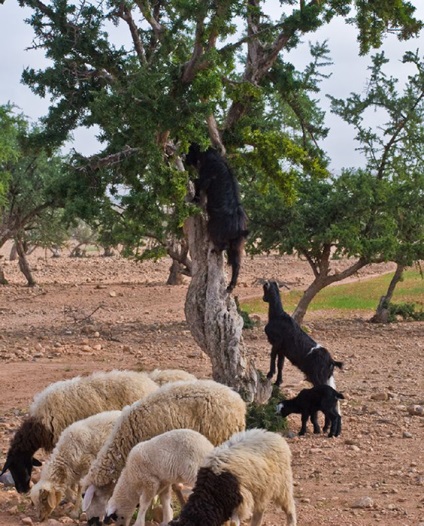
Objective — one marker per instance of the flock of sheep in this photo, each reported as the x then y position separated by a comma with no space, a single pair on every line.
122,438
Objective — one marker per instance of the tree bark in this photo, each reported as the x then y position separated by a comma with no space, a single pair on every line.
382,313
215,324
322,280
23,263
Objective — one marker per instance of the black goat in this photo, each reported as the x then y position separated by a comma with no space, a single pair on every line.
226,218
308,402
288,340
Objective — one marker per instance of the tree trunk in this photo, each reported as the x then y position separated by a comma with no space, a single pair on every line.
175,277
13,256
382,313
23,263
3,280
213,319
322,280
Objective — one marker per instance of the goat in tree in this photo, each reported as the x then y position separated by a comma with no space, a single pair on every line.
226,218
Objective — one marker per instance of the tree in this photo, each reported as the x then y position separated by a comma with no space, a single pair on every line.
30,178
188,74
394,155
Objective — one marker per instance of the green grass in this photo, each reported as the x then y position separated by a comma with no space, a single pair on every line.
363,295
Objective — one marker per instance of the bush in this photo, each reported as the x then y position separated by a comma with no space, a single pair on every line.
265,415
406,311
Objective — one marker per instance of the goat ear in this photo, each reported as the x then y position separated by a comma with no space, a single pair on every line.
88,497
36,462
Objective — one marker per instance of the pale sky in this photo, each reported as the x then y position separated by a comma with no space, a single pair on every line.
349,74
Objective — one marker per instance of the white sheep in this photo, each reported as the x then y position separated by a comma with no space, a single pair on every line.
164,376
76,449
151,468
63,403
239,479
212,409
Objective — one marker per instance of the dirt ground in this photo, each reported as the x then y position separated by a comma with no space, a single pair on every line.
102,313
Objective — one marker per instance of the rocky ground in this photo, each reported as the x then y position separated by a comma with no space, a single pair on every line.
103,313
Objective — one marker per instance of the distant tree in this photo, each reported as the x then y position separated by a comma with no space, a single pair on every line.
394,155
209,72
30,178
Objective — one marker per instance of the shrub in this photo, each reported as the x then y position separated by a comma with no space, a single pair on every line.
264,415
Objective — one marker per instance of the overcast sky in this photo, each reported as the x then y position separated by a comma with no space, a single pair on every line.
349,74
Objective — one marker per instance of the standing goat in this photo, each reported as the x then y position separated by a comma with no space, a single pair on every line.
288,340
227,219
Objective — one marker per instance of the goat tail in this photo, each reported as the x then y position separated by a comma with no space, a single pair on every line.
339,396
338,364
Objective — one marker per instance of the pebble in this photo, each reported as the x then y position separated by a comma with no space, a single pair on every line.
416,410
406,434
363,502
27,520
380,396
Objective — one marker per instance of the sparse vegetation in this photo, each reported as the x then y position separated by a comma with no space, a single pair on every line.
265,415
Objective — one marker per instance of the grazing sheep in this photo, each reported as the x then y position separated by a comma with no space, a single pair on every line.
151,468
164,376
289,340
227,219
212,409
65,402
308,402
239,479
76,449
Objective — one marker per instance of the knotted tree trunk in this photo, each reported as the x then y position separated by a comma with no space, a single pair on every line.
213,319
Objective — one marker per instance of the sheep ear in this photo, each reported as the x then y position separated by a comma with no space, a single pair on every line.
36,462
88,497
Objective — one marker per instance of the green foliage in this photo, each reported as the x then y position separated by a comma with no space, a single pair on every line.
248,323
265,416
407,311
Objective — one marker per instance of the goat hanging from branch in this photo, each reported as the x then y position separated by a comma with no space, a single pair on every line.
226,218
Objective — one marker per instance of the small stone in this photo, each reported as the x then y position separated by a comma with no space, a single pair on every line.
112,294
27,520
363,502
353,447
416,410
406,434
380,396
86,348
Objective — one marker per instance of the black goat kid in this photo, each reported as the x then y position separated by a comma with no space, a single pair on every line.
226,218
308,402
288,340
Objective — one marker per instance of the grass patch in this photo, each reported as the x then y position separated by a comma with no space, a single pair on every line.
363,295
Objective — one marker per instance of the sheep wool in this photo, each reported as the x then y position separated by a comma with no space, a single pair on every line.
151,468
239,479
67,401
165,376
212,409
62,403
77,447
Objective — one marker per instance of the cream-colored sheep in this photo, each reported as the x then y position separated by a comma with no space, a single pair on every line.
76,449
63,403
165,376
239,479
151,468
212,409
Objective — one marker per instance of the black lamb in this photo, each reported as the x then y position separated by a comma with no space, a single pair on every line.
288,340
308,402
227,220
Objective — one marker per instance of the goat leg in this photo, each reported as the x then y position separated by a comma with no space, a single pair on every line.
314,420
305,417
280,364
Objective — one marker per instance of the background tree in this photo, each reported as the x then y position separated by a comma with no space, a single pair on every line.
193,71
31,178
394,153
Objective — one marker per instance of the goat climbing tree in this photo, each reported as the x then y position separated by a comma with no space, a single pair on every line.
210,72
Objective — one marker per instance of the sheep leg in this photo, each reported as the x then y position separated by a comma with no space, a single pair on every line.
179,494
305,417
165,500
256,518
75,512
314,420
149,492
280,365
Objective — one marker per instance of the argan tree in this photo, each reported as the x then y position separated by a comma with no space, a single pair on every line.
213,72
